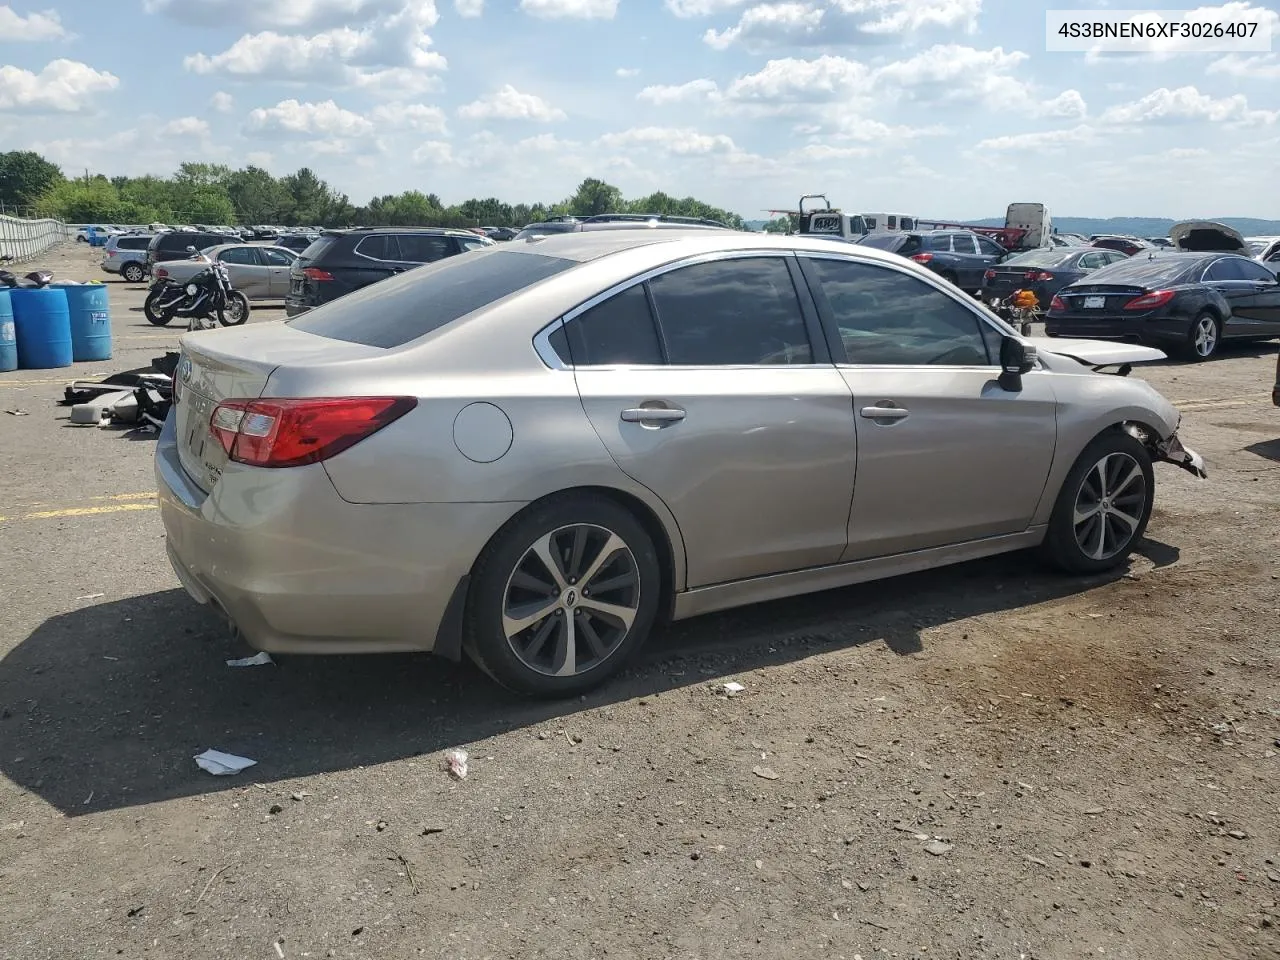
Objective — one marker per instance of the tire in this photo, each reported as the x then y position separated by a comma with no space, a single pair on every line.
148,307
1204,337
510,575
133,272
1103,539
236,310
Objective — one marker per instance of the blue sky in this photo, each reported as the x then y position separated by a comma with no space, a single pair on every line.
939,108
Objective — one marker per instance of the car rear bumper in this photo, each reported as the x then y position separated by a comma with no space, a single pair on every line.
297,569
1110,327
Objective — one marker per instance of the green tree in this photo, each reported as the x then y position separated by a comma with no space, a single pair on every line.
778,225
594,197
257,196
25,177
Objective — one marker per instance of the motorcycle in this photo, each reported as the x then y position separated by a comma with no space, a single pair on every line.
1020,309
35,280
207,295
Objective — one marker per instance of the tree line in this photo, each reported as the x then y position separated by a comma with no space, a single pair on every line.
211,193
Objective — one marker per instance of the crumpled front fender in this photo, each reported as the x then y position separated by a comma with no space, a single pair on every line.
1171,450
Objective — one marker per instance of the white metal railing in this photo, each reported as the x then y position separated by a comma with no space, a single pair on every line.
26,239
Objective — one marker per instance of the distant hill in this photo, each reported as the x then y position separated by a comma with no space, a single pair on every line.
1137,226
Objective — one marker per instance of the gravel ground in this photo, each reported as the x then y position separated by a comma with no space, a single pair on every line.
985,761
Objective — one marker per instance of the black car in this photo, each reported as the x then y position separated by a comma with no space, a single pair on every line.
341,261
958,256
500,233
297,242
1189,302
1045,272
173,245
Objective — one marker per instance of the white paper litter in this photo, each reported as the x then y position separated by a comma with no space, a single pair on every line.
222,764
257,660
733,687
455,761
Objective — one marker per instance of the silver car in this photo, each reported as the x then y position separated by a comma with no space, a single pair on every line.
258,271
535,452
127,256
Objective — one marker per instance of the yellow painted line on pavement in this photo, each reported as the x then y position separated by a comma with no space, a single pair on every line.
36,383
121,504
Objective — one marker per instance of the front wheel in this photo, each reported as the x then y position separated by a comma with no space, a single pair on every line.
563,596
156,316
1103,507
235,311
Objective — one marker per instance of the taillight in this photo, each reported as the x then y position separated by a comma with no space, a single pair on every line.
989,275
1034,275
315,273
290,433
1149,301
161,273
922,257
1057,303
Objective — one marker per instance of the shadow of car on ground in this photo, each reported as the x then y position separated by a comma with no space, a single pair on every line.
106,706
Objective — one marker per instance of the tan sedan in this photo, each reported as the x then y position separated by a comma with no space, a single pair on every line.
258,271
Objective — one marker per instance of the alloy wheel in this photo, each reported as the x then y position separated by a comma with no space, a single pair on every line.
1206,336
1109,506
571,599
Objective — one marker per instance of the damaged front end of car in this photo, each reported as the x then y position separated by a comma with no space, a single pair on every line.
1169,450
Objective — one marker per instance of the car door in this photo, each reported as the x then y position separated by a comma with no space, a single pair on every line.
279,263
945,454
247,271
969,265
989,253
711,385
1253,293
376,257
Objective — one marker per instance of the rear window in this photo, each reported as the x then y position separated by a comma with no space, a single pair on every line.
392,312
318,247
882,241
1145,270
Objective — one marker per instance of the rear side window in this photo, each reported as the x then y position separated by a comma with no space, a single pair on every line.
617,332
411,305
133,243
379,246
731,313
424,248
940,244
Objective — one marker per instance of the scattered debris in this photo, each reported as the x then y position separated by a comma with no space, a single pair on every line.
455,761
937,848
136,910
1094,811
1237,835
429,831
89,799
1036,860
279,950
298,797
399,858
91,596
380,825
764,773
17,413
215,876
222,764
257,660
275,808
733,688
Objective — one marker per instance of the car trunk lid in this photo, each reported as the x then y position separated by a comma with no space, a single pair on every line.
1207,236
236,363
1099,298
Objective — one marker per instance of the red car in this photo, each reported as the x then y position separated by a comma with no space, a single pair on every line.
1126,245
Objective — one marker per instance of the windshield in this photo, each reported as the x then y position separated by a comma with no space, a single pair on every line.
1040,258
1146,270
1256,247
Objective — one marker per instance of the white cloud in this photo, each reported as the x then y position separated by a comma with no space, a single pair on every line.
570,9
436,152
626,72
296,14
413,116
260,158
508,103
820,152
1262,67
831,23
343,55
469,8
863,129
46,25
186,127
222,102
290,118
693,91
1041,142
680,141
67,86
1187,105
793,80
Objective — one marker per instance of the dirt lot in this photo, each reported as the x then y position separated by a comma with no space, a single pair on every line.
987,761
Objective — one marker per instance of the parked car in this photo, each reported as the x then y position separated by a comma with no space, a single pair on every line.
1044,272
1159,241
500,233
958,256
1266,250
345,260
259,272
1207,236
173,245
297,242
1126,245
615,221
535,452
1190,302
127,256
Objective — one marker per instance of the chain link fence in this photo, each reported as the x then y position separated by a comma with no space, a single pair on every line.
22,239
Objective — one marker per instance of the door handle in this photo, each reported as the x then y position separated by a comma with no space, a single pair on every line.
653,414
884,413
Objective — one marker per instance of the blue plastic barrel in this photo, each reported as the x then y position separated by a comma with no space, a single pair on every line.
8,342
42,322
90,310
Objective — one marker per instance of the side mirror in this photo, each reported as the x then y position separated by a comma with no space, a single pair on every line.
1016,358
192,249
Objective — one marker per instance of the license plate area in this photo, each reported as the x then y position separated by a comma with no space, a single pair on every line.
1094,303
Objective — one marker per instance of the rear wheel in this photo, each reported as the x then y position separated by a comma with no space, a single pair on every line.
562,597
1103,507
133,273
1204,337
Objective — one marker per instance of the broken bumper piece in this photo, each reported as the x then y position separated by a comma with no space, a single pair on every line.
1172,451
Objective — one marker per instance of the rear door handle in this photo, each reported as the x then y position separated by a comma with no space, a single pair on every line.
653,414
884,413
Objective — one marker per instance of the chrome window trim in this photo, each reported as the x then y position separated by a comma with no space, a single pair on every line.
542,339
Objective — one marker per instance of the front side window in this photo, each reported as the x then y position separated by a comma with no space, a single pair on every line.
989,247
886,317
617,332
1254,271
731,313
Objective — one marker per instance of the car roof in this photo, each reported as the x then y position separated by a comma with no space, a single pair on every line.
364,231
